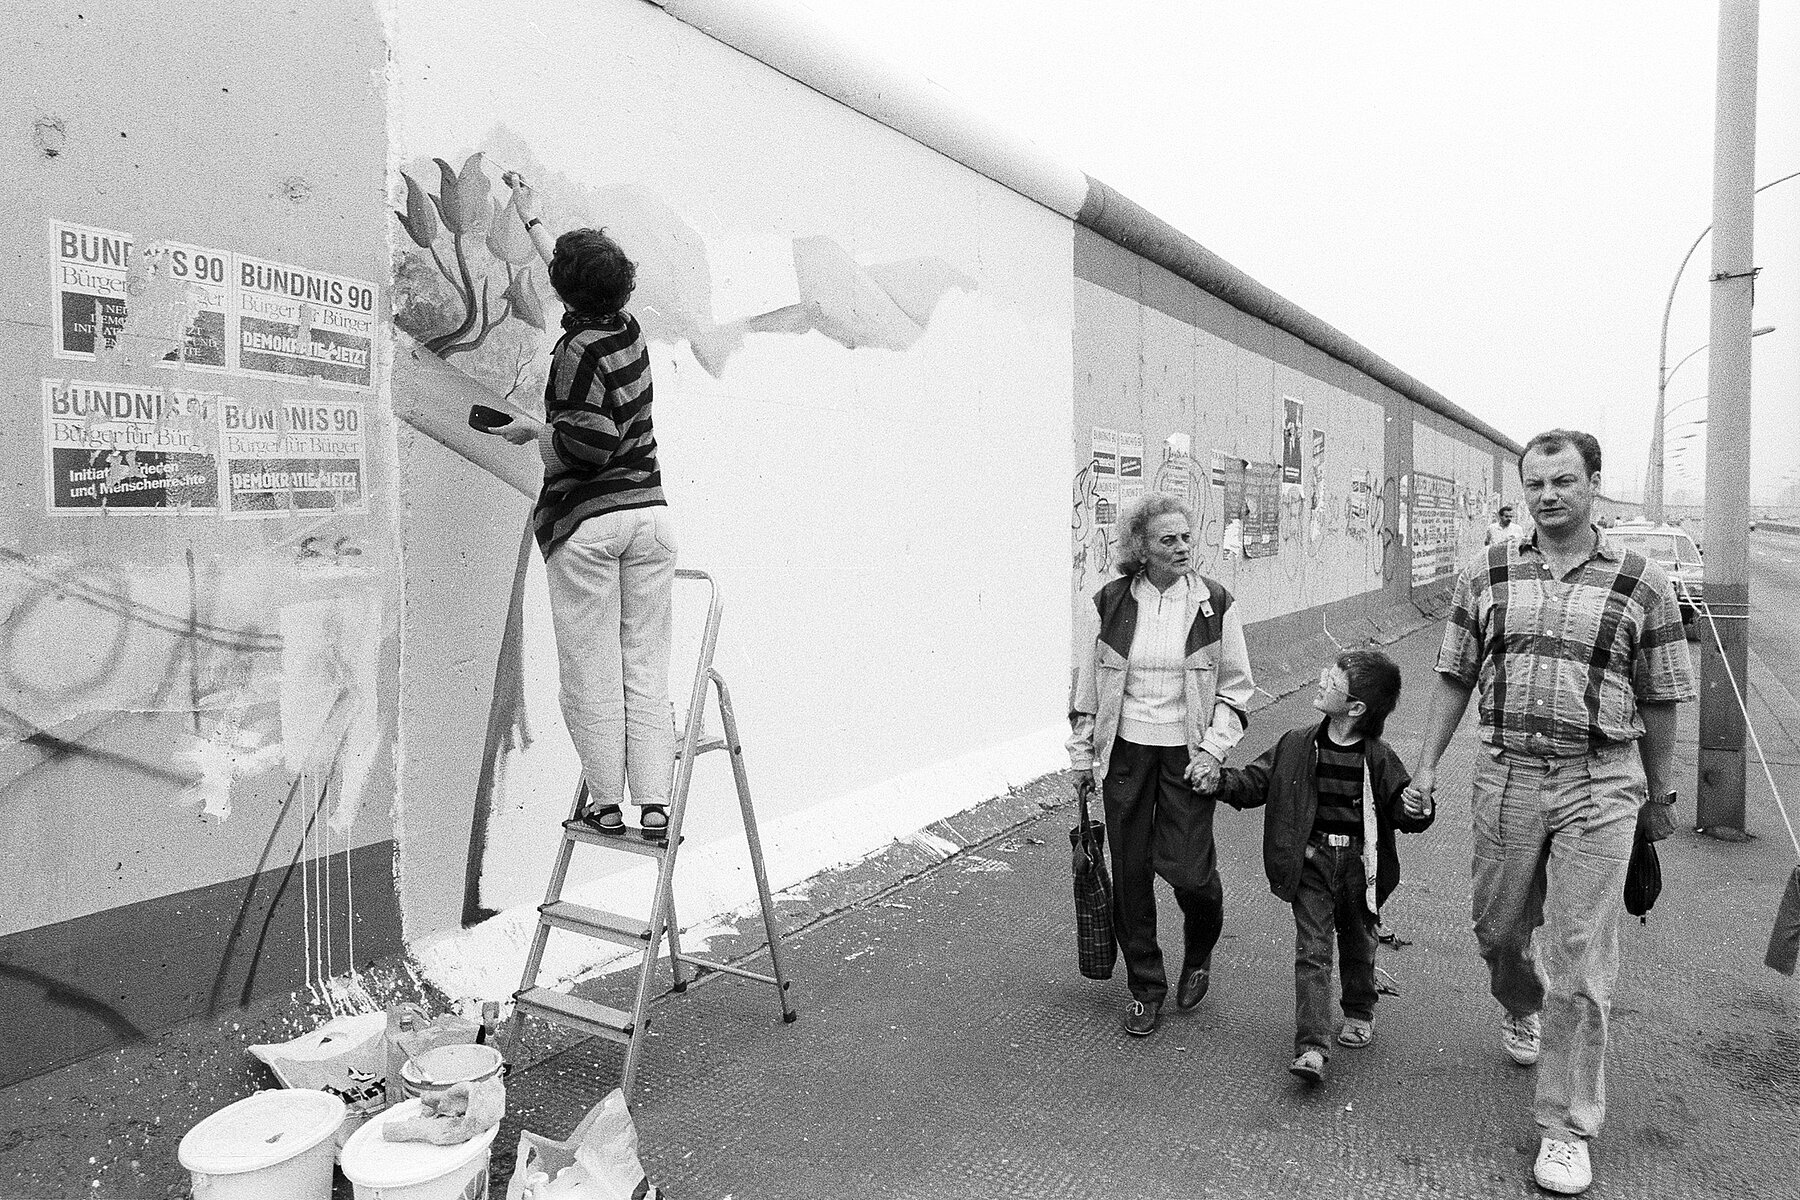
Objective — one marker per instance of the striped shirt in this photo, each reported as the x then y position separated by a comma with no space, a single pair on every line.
1340,779
1562,665
598,447
1156,670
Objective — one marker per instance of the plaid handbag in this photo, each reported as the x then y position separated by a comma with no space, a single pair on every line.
1094,940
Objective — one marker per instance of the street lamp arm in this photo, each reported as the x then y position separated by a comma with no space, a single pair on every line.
1653,489
1662,355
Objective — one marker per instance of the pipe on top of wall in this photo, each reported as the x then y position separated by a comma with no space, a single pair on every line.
792,43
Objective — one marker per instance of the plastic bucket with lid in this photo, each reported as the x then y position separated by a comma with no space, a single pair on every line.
274,1145
384,1170
435,1070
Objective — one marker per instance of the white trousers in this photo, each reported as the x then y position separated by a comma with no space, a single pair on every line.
610,601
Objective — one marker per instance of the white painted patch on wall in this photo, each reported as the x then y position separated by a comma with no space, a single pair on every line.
714,887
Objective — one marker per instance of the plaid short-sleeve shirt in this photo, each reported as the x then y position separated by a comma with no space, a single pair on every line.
1562,665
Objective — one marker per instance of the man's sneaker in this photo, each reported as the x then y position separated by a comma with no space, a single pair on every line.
1521,1035
1140,1018
1562,1167
1310,1066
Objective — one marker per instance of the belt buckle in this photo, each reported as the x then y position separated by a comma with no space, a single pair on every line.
1337,841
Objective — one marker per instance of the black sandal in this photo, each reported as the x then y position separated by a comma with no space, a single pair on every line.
605,819
659,831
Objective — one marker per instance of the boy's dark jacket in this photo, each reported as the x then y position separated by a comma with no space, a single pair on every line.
1286,779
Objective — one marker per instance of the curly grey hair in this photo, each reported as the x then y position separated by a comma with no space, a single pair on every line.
1134,528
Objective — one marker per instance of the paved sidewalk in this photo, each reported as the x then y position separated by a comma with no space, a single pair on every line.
947,1046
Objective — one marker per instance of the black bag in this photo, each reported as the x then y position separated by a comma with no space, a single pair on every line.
1643,876
1094,940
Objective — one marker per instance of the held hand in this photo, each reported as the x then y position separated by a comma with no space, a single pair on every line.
1414,802
520,430
525,201
1203,773
1084,784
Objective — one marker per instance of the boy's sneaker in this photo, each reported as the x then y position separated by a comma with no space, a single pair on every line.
1522,1038
1356,1033
1310,1066
1562,1167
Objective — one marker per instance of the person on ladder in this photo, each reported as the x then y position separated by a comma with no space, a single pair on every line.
604,529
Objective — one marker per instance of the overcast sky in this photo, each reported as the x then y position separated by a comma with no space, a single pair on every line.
1494,197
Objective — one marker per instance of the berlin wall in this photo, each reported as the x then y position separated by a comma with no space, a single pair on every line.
278,684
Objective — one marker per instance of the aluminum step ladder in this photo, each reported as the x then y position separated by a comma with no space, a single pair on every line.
630,1028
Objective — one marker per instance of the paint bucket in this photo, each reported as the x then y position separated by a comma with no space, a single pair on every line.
384,1170
274,1145
435,1070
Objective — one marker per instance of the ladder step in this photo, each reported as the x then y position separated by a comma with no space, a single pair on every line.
701,747
578,918
628,841
608,1023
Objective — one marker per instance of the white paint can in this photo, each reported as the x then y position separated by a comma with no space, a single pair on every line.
384,1170
274,1145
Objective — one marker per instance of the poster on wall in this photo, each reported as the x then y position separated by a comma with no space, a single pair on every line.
1434,527
1318,464
1262,510
1228,491
294,324
1361,503
110,448
305,456
1293,415
1175,476
1104,460
91,279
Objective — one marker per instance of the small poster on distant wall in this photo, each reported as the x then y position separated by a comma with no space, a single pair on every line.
1262,504
1434,527
1361,504
110,448
1104,461
91,278
294,323
1228,490
305,456
1175,475
1293,416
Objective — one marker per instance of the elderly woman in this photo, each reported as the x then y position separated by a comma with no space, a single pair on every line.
1160,697
604,528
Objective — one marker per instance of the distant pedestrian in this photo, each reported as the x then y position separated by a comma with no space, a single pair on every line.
1160,697
1577,650
1504,529
1336,793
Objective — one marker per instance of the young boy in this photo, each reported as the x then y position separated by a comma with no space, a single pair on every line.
1330,787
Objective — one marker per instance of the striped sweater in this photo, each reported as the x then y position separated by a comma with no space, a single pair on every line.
598,446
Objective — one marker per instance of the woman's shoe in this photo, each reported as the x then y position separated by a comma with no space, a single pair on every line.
654,821
605,819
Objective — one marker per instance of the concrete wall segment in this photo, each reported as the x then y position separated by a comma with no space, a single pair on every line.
861,358
196,661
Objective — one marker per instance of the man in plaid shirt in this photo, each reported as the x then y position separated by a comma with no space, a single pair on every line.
1577,649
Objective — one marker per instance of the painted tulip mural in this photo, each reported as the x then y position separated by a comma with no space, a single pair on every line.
455,311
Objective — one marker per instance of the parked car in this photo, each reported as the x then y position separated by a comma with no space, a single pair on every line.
1679,556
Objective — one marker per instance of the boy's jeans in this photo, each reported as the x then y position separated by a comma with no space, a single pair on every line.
1329,901
1552,841
610,601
